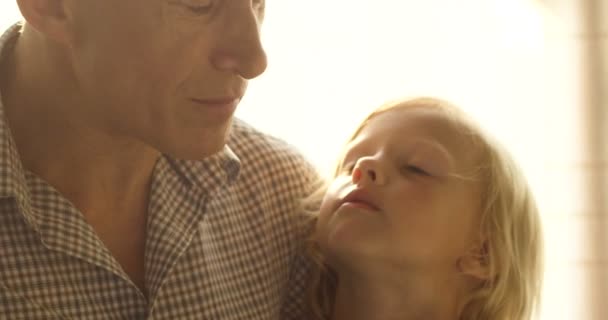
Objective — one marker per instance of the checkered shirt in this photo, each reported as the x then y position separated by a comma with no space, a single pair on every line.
222,238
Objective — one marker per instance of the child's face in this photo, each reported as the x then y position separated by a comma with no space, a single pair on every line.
396,201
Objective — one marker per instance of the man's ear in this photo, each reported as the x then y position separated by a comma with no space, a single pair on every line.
48,17
475,262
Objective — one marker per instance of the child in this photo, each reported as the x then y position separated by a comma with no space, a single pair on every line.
426,218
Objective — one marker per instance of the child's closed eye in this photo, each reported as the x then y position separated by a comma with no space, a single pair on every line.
414,169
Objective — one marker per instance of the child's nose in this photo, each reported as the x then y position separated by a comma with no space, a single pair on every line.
367,171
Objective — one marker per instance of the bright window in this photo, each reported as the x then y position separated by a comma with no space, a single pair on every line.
507,62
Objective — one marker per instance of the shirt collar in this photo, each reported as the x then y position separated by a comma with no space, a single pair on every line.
211,173
13,183
12,177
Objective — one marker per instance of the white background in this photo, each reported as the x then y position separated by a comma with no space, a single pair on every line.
506,62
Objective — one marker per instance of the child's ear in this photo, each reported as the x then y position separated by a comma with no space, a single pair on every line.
475,262
48,17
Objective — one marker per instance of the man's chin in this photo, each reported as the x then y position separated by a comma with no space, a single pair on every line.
197,144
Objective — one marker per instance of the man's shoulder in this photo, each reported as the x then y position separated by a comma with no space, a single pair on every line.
263,154
253,145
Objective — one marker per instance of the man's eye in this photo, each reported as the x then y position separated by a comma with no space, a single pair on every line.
198,7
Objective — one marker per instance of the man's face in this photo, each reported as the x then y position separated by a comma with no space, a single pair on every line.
168,73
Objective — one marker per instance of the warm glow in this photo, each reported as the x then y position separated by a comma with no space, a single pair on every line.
331,62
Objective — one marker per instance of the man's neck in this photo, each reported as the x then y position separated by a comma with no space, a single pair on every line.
97,171
402,297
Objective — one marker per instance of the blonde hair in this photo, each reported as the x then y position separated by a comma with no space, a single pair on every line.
510,225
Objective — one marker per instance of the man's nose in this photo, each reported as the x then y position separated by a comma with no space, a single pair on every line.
368,170
240,50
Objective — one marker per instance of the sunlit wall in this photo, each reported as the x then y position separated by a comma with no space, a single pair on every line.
514,65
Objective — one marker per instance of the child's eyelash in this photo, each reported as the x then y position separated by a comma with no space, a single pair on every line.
415,170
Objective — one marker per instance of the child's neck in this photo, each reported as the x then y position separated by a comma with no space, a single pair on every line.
419,297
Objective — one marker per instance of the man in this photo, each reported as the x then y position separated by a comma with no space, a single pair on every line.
127,190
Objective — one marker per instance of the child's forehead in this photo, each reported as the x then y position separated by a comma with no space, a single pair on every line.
415,124
410,120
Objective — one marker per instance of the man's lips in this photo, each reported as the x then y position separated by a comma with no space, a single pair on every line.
361,199
219,102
